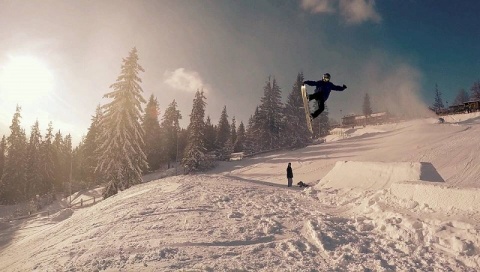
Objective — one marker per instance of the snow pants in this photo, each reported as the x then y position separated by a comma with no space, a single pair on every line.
290,181
320,102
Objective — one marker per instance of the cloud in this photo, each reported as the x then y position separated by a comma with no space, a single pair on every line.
359,11
352,11
184,80
318,6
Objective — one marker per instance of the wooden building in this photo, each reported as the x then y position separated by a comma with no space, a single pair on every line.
362,120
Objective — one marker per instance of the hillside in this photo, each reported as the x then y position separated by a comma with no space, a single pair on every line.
392,197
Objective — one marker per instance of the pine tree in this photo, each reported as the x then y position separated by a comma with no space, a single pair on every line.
182,143
239,145
152,139
462,97
438,105
271,112
223,130
367,107
3,150
59,162
210,135
68,160
47,184
233,135
34,163
252,144
12,187
194,158
89,150
223,141
475,91
169,130
296,133
78,162
121,156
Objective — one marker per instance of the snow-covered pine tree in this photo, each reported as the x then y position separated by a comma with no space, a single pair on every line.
271,110
89,149
223,142
13,180
121,156
78,162
67,155
3,150
59,162
152,139
233,134
170,129
462,97
223,130
475,91
48,162
194,158
438,104
252,143
210,135
296,132
34,163
240,139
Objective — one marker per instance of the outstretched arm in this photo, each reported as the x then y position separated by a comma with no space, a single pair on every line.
339,88
310,83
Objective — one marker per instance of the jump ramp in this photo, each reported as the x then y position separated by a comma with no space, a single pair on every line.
417,181
377,175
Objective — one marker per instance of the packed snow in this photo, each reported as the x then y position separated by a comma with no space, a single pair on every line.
402,196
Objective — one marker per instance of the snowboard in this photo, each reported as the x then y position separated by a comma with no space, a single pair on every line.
306,106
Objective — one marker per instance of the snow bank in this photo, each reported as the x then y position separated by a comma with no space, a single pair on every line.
438,197
377,175
62,215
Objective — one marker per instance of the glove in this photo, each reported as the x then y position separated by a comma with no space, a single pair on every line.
344,86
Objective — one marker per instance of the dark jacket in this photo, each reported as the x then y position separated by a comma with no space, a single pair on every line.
325,87
289,172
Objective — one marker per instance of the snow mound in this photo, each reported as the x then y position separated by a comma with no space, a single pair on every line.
438,197
377,175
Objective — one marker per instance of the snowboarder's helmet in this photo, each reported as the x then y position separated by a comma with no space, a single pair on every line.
326,77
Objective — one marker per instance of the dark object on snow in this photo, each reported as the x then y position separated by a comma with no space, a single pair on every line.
302,184
441,120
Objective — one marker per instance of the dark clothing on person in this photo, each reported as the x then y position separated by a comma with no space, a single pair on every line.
289,172
289,176
321,93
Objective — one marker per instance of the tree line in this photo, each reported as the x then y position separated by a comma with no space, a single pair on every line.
461,97
126,140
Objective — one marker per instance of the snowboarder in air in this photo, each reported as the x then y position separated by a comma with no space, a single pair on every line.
322,92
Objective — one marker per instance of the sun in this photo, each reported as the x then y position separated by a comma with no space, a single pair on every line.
24,80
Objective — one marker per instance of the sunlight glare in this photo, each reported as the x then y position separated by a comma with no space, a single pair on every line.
24,79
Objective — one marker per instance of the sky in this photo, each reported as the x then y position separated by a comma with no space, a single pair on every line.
394,50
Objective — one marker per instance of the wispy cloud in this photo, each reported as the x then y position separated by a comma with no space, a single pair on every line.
184,80
318,6
352,11
359,11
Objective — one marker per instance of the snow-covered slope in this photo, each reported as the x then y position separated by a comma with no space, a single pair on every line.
242,217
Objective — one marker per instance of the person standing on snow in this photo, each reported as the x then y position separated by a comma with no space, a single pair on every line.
290,175
322,92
